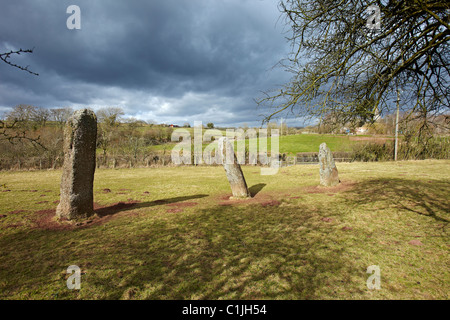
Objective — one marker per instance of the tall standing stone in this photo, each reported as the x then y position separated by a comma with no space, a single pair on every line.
328,171
233,170
80,137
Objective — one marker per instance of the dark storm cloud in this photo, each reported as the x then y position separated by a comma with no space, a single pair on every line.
172,60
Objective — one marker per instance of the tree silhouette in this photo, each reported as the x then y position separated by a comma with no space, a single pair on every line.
5,57
341,65
10,129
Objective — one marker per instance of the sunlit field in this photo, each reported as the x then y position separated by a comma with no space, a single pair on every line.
172,233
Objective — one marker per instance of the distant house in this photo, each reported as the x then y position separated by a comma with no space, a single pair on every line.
174,126
347,130
361,130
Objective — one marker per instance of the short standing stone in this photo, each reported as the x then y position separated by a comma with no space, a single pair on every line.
80,137
233,170
328,171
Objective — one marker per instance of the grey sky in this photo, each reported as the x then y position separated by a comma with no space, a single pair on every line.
168,61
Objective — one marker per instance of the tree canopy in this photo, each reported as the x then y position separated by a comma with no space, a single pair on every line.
110,116
342,65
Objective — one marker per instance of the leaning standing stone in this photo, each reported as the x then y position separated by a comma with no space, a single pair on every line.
328,171
80,137
232,169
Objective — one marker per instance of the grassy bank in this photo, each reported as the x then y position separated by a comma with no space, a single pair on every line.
292,144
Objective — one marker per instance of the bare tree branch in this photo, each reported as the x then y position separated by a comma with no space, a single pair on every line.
5,57
341,66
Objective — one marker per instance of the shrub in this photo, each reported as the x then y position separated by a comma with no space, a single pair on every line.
411,149
373,152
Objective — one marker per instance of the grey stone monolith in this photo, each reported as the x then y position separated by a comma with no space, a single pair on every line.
233,169
80,138
328,171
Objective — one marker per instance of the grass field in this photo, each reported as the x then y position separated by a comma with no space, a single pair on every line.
291,144
311,142
172,233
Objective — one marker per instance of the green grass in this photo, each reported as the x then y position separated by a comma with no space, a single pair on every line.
292,144
311,142
293,240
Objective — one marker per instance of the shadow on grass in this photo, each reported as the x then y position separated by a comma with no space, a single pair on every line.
243,252
221,252
124,206
256,188
239,253
423,197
